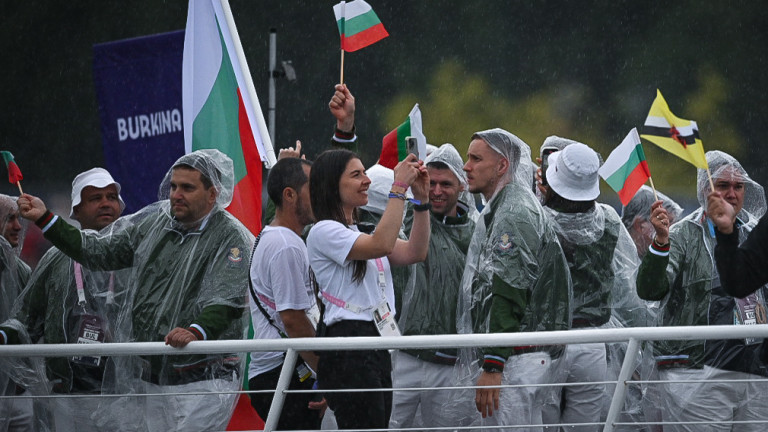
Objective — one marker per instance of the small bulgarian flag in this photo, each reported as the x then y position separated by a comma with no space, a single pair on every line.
358,25
394,146
675,135
626,170
14,173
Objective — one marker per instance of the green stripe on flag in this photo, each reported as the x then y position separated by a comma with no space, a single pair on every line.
216,125
352,26
403,131
617,179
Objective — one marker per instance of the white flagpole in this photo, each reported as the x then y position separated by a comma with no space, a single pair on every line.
250,89
344,25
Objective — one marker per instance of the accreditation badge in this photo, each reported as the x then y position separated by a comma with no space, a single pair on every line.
385,320
751,311
91,331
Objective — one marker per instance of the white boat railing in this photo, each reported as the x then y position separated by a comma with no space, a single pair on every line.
633,336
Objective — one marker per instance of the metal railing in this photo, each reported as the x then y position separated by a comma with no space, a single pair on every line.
633,336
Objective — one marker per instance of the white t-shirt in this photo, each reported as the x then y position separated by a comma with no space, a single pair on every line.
328,245
280,277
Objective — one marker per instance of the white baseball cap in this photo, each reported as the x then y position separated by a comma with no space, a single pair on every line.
572,173
96,177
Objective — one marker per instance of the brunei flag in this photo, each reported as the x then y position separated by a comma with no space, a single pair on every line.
359,26
675,135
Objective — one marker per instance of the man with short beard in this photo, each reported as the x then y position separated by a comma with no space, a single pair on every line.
516,280
282,297
188,281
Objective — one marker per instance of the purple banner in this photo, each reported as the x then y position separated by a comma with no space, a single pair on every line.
138,86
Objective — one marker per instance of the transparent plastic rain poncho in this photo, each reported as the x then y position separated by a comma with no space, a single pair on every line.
635,216
603,263
514,247
175,273
690,290
49,309
14,274
430,298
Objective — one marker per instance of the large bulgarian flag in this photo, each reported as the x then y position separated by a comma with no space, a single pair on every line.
626,170
675,135
358,25
221,109
394,145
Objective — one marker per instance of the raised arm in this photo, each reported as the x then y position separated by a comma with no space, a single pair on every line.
416,248
382,241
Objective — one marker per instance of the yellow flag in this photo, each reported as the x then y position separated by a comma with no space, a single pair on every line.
675,135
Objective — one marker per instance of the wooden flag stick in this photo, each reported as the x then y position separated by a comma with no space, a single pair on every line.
711,183
341,79
21,192
655,197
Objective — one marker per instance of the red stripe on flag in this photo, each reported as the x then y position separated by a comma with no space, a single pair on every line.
245,418
364,38
246,202
636,178
389,152
14,173
644,165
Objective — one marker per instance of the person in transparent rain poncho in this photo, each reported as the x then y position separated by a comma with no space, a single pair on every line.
66,303
636,217
516,280
429,299
16,414
188,260
602,261
680,271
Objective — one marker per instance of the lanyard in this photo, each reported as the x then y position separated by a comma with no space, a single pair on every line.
382,282
81,286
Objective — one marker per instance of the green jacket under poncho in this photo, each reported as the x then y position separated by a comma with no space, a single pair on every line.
687,283
178,278
516,278
432,291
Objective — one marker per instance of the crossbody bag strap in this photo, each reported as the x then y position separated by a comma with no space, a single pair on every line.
256,297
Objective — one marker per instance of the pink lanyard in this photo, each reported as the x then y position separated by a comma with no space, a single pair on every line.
81,286
382,279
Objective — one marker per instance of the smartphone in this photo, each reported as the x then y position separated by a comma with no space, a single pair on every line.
412,145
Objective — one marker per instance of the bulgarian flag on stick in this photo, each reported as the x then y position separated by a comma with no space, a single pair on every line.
394,147
626,170
221,109
14,173
358,27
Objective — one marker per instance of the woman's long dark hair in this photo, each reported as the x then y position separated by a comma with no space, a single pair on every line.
324,194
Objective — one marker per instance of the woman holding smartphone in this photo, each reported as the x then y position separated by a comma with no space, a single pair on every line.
352,270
